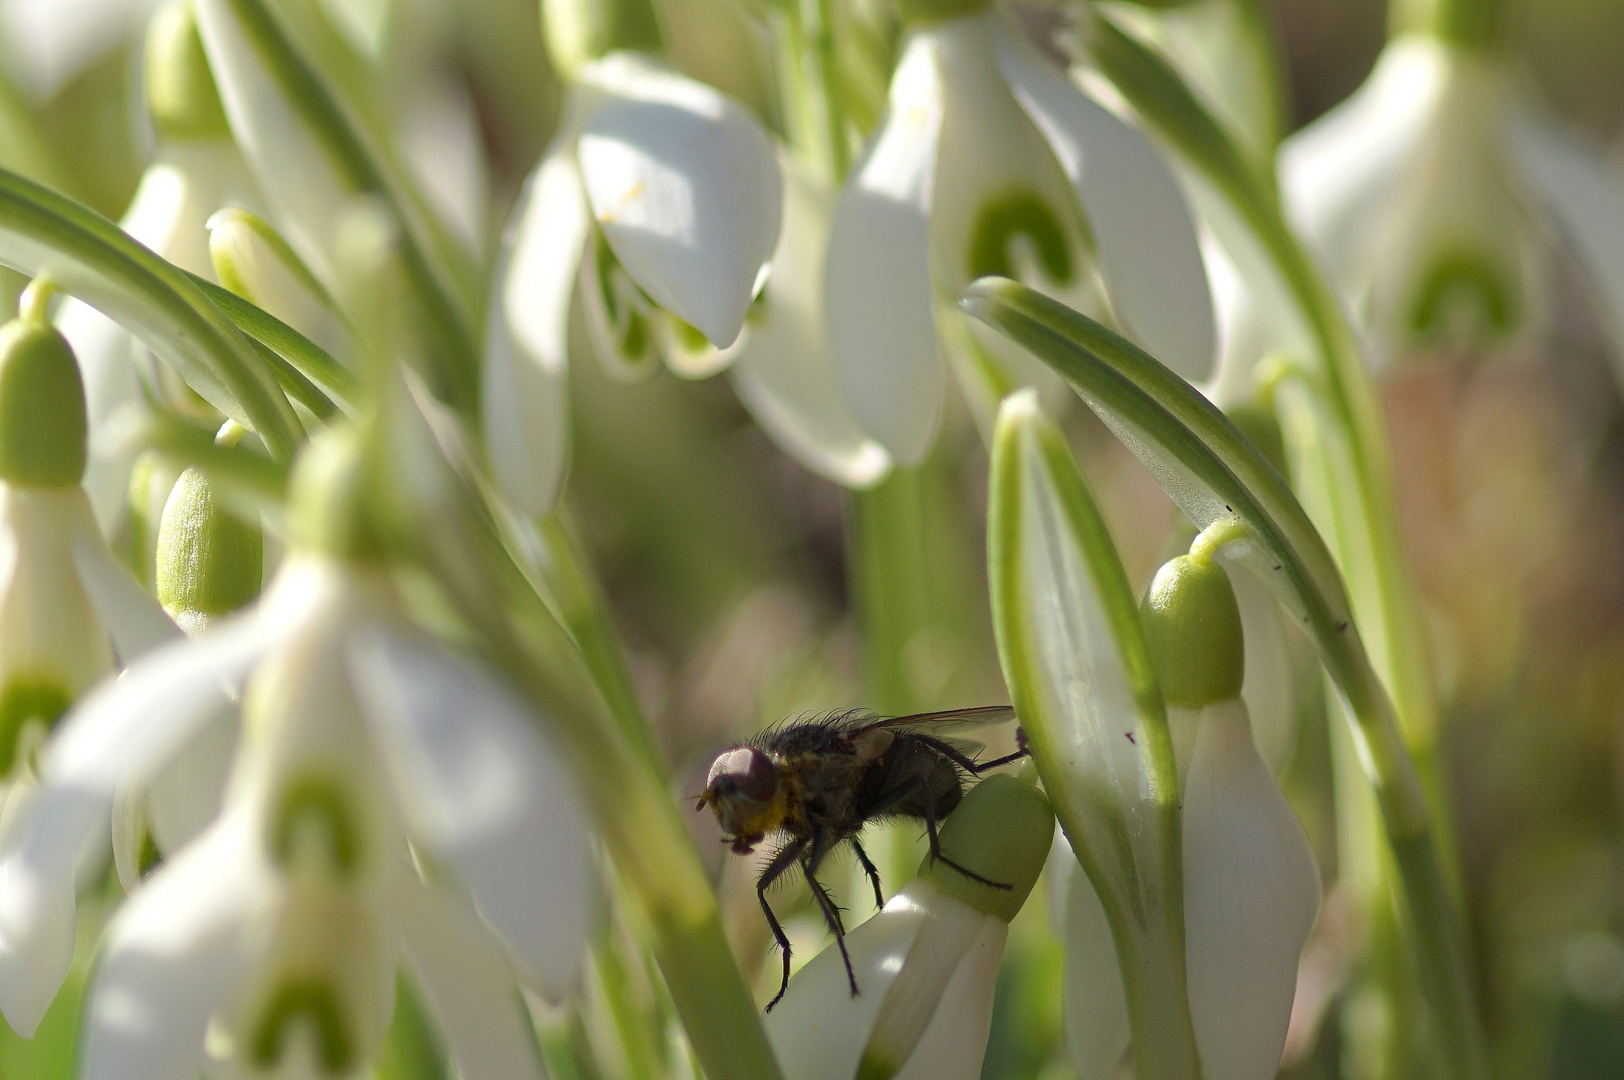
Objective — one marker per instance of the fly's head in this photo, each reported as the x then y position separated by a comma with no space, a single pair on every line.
746,793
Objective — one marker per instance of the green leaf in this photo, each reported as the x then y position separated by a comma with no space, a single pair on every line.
86,255
310,361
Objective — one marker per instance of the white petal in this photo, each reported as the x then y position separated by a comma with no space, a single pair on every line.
125,730
524,398
1585,198
819,1031
1270,687
47,42
171,959
1251,891
685,185
1337,173
440,141
184,796
481,788
784,373
37,899
1143,231
106,355
465,976
877,286
955,1041
48,626
1094,1009
133,617
300,180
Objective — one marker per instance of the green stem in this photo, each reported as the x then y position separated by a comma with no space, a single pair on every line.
86,255
830,86
887,542
1469,24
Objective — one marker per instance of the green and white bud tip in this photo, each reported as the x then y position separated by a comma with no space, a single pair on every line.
43,428
581,31
1193,632
181,95
1002,832
328,508
210,561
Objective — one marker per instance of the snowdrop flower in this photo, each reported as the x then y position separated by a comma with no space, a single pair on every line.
659,201
197,170
990,161
926,964
1428,194
271,941
68,610
48,42
1251,886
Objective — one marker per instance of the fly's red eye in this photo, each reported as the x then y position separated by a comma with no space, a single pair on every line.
747,771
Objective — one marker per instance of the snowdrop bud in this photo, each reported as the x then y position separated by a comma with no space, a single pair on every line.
210,561
328,508
42,408
181,95
1193,630
580,31
1001,831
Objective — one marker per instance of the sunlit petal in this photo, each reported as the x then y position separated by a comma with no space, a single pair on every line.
877,287
685,184
1094,1008
1251,891
483,790
133,617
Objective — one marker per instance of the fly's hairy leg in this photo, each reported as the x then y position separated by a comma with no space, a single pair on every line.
831,914
868,868
967,763
1022,750
936,849
786,857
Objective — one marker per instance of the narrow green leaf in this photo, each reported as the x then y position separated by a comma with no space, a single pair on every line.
311,360
88,256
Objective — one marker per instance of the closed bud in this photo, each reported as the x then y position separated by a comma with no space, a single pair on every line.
1193,631
210,561
1002,831
181,95
42,407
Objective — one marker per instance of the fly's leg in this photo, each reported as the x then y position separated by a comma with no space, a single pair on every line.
831,916
936,850
786,858
969,764
868,868
1021,750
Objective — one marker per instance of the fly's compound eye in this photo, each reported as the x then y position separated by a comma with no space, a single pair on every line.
746,771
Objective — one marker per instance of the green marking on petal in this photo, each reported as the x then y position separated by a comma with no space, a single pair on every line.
148,856
1457,280
314,999
316,804
24,699
1018,213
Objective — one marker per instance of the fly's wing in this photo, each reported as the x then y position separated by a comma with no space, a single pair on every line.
966,730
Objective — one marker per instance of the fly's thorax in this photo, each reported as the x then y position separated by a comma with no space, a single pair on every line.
53,645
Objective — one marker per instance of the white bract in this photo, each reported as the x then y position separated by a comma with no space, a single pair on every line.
660,201
277,931
1429,193
990,161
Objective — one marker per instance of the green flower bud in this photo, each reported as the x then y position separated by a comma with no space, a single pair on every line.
210,561
42,407
1193,632
1001,831
581,31
181,95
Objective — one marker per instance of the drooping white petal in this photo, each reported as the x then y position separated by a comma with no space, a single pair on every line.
877,282
185,795
1094,1007
37,898
784,373
133,617
172,956
469,985
440,141
955,1040
482,789
303,186
1251,891
126,729
685,184
1337,173
1585,198
819,1031
107,365
527,337
47,42
1143,231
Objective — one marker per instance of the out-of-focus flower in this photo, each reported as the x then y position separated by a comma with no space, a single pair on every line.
48,42
926,965
990,161
68,611
273,937
660,200
1429,195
